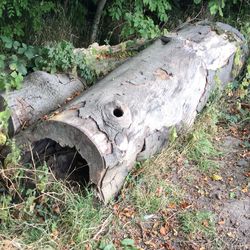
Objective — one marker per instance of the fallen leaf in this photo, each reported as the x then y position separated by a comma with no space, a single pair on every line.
185,205
205,223
247,174
128,212
172,205
56,209
163,231
245,189
216,177
222,222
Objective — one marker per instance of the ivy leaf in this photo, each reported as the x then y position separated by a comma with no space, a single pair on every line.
13,66
7,42
16,44
21,51
109,247
21,69
29,53
14,74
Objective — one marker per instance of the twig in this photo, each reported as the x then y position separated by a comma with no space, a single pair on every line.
104,224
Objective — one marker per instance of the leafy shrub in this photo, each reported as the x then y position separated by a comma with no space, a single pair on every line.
19,16
140,17
17,59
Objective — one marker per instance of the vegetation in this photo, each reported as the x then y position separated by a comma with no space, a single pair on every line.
37,211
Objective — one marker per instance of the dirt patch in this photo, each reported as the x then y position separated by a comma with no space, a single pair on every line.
213,213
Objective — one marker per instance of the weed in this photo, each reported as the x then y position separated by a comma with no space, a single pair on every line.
195,222
37,209
150,196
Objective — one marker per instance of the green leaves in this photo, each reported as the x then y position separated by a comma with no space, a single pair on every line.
141,17
14,62
2,59
16,17
7,42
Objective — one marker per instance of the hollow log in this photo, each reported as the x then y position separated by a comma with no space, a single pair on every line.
129,115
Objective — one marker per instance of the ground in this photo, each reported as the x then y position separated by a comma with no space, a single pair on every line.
176,202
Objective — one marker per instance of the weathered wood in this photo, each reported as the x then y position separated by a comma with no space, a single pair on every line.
129,114
42,93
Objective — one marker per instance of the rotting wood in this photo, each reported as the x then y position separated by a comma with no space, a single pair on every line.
129,115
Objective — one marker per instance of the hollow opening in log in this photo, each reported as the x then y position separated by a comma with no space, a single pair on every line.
118,112
64,162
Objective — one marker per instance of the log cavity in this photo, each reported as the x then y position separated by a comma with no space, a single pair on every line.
64,162
118,112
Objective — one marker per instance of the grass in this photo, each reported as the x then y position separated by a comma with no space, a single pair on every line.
54,216
198,222
151,196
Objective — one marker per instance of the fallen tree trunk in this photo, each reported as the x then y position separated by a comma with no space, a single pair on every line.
43,93
129,114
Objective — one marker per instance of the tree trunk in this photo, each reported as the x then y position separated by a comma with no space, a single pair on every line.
129,115
98,15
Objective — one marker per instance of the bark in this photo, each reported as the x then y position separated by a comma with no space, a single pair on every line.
98,15
128,115
40,94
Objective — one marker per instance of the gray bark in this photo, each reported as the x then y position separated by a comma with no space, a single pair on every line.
40,94
128,115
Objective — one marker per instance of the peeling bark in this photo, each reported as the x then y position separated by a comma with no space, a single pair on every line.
128,115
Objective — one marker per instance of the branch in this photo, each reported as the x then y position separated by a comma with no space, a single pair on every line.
97,18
